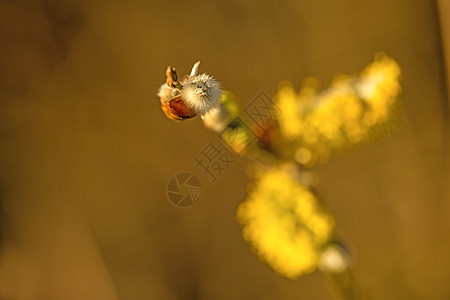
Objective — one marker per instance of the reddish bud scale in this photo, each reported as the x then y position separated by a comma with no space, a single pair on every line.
176,109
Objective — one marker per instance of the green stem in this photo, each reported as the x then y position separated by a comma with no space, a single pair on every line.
345,286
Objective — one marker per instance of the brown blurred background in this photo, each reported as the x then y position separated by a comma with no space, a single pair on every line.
86,153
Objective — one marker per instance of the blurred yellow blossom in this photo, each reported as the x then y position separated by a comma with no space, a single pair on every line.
354,110
231,103
285,223
237,135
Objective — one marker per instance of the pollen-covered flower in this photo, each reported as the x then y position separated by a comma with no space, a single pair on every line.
285,223
356,109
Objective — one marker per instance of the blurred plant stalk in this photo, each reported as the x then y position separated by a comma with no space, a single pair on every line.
283,218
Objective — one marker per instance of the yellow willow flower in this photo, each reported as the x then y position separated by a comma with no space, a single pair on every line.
285,224
354,110
237,135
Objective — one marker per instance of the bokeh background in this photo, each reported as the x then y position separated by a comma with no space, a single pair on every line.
86,153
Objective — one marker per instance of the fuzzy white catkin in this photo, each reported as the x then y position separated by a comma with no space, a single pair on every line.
334,259
216,119
201,93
